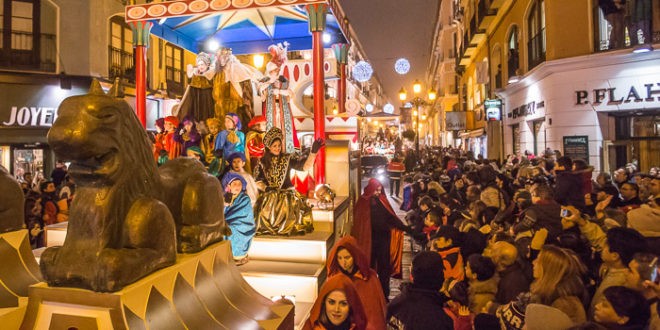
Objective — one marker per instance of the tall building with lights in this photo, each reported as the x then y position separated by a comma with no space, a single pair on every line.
566,78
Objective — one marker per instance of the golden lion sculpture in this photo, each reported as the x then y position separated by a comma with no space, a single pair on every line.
123,224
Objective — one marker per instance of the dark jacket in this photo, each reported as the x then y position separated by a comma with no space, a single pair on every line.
513,281
544,214
417,308
568,189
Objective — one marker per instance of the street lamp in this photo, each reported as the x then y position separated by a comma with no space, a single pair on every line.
417,102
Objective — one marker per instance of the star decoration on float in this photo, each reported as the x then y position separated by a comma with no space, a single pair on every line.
402,66
262,18
362,71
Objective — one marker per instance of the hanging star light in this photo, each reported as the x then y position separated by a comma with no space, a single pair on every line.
362,71
402,66
388,108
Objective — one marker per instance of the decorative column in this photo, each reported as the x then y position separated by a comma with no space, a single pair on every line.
341,53
141,31
317,15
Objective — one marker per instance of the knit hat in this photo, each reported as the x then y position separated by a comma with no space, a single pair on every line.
542,317
230,177
428,271
235,155
272,135
234,117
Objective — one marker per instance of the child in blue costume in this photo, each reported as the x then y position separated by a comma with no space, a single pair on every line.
239,216
230,140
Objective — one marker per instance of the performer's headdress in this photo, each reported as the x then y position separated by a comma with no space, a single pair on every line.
213,121
234,117
272,135
256,120
172,120
204,57
279,56
230,177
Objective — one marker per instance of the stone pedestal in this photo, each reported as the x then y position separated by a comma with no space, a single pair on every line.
201,291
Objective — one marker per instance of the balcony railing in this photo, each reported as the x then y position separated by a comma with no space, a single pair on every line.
28,51
643,30
536,49
122,64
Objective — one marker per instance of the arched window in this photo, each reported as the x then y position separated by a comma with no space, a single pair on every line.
536,33
513,56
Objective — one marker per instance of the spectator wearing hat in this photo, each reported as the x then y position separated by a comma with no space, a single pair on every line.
622,308
236,165
420,304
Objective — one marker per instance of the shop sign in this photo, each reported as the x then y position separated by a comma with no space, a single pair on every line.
493,109
577,147
455,121
525,109
31,116
616,96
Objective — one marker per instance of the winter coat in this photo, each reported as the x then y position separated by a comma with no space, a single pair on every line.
418,309
544,214
513,281
481,292
568,189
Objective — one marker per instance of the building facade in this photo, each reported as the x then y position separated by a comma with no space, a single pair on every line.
566,79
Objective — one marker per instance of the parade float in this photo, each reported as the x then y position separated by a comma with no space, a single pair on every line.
141,249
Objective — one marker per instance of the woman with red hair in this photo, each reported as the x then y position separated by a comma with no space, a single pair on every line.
346,258
338,306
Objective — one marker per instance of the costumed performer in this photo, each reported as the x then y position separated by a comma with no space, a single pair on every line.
338,306
239,216
160,154
187,135
275,93
208,143
379,233
197,153
236,163
229,140
346,258
197,102
281,210
254,141
172,147
232,85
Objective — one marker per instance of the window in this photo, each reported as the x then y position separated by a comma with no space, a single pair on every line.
630,25
515,134
513,61
536,29
27,35
174,68
496,62
121,62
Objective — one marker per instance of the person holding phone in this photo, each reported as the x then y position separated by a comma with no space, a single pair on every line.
642,277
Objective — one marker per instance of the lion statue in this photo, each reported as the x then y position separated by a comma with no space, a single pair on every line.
11,203
121,227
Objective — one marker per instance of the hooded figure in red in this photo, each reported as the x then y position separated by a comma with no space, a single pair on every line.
364,278
379,233
318,319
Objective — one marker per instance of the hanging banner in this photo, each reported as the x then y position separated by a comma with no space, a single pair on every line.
455,121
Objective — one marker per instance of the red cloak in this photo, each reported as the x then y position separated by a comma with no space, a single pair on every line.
365,281
343,283
362,227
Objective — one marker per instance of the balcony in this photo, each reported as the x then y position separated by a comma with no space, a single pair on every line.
536,50
485,15
646,31
477,35
122,65
29,52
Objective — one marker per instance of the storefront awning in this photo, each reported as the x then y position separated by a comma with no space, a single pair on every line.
246,26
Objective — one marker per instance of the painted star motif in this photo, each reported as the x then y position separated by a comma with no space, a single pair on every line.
262,18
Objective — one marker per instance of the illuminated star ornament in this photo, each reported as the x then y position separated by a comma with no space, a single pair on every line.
402,66
362,71
388,108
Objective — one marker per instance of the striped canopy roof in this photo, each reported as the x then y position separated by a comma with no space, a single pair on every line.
246,26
